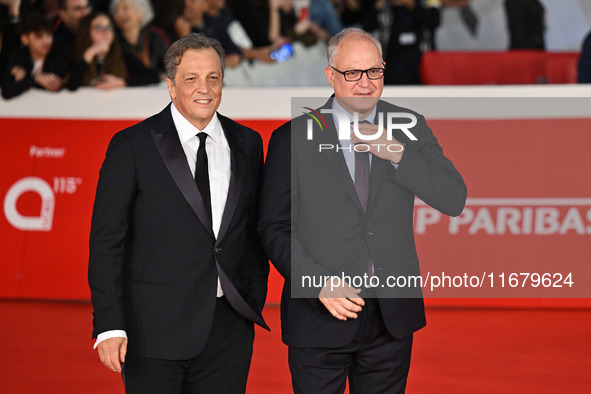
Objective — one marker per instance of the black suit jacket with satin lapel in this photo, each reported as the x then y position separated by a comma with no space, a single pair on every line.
315,225
154,260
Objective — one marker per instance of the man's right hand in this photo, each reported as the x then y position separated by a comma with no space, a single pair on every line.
112,353
342,302
98,49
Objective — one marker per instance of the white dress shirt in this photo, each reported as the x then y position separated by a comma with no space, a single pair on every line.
347,149
219,168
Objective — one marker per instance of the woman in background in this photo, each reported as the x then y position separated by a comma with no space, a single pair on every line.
137,37
101,62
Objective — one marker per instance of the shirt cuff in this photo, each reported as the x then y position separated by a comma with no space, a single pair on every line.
108,335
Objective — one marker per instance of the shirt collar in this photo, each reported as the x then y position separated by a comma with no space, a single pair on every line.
187,131
369,118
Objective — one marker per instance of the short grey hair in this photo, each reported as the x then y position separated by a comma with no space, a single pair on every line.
195,41
335,41
143,6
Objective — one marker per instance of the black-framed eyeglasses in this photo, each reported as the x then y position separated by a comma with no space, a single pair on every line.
102,28
355,75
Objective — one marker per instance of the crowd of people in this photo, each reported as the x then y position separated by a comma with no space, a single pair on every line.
57,44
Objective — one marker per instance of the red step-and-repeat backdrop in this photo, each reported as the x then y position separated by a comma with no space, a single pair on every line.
528,213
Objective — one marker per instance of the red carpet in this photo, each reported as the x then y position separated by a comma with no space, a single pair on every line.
46,348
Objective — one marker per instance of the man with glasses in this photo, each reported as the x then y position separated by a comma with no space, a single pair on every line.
338,204
70,13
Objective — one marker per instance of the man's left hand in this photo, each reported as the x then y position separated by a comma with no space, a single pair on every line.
49,82
383,148
112,352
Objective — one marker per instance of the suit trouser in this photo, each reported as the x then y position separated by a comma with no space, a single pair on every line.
374,361
222,366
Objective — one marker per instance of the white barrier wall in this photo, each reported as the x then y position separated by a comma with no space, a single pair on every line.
252,103
524,162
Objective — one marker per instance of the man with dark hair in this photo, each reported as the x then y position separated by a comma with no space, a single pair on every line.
70,13
10,41
196,19
35,64
175,265
347,212
221,22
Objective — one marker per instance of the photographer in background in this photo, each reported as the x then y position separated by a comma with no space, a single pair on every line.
408,32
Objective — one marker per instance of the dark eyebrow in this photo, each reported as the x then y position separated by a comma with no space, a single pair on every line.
196,74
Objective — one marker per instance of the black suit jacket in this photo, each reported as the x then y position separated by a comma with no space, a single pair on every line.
154,260
526,23
315,224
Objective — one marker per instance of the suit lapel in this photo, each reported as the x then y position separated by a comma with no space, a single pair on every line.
378,166
375,178
237,162
168,144
336,159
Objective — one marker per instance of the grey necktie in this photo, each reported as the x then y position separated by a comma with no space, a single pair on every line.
362,174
